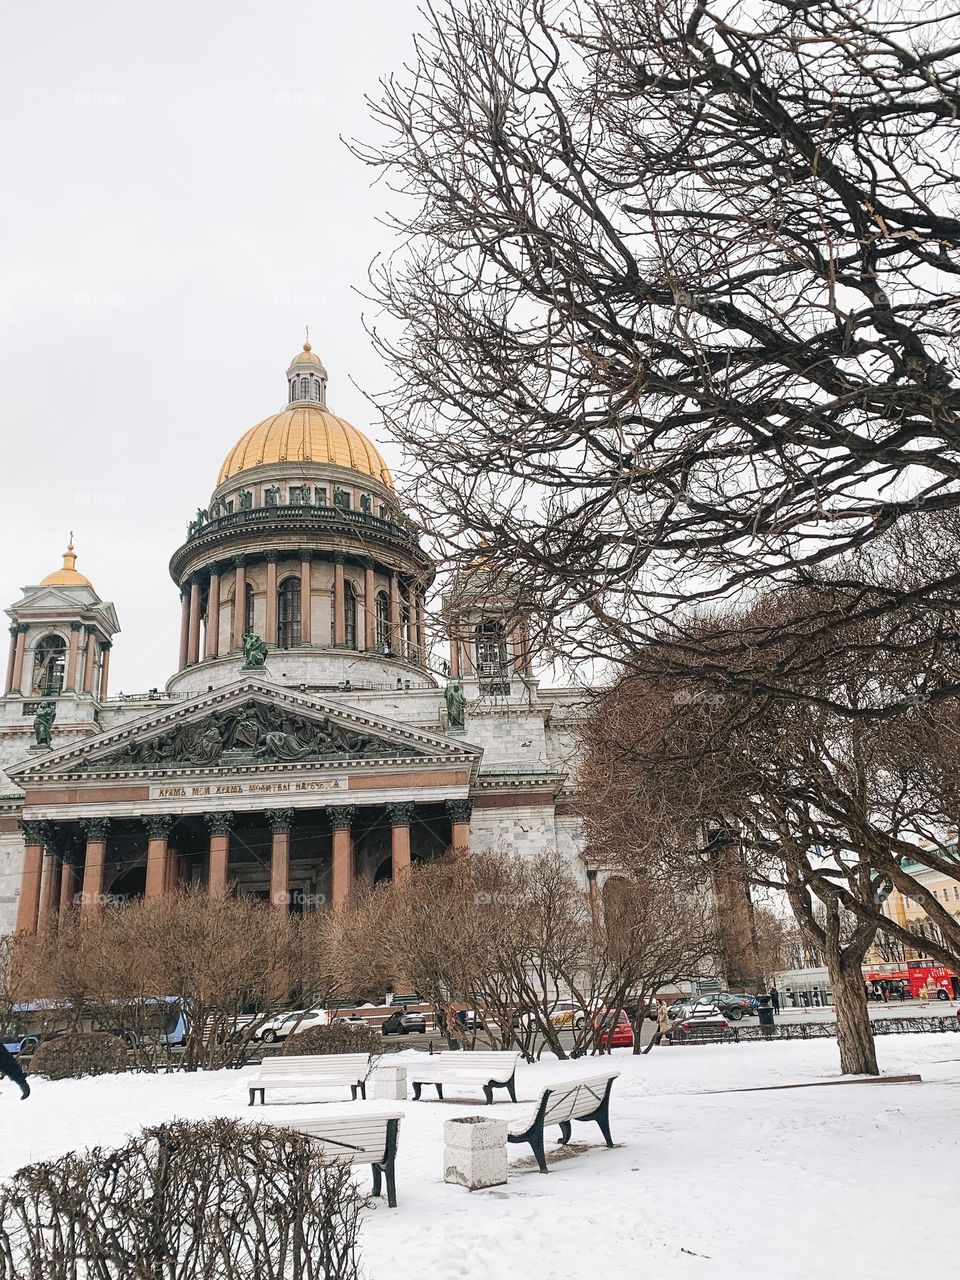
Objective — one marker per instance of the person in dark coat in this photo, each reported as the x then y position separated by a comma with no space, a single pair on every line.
10,1067
775,999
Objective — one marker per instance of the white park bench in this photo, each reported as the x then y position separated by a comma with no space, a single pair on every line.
560,1104
359,1138
312,1071
490,1070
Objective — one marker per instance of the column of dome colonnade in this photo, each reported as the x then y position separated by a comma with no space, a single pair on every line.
303,543
55,878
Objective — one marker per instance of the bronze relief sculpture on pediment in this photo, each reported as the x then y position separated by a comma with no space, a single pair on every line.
253,733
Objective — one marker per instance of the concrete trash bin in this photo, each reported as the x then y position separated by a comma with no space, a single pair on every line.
475,1152
389,1082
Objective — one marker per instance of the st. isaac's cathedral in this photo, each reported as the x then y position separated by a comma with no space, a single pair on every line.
306,737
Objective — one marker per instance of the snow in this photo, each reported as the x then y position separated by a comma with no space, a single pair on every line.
709,1178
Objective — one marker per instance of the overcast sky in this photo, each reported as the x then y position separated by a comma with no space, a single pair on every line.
175,206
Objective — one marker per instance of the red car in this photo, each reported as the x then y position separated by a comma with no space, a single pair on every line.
613,1029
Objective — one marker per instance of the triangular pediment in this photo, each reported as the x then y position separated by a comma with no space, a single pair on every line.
248,724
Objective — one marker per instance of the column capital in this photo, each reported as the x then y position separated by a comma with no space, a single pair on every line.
35,832
401,813
307,554
239,562
106,644
341,816
95,829
339,557
459,810
219,823
368,563
214,569
280,820
160,825
76,626
90,629
271,557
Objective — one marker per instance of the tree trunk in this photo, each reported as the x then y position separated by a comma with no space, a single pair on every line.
858,1052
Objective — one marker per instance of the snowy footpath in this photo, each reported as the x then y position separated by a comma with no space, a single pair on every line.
708,1178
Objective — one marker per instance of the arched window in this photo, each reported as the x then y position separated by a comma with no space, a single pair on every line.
491,647
349,615
288,613
293,388
49,665
383,620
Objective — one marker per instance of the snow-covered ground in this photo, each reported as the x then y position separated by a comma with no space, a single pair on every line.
857,1181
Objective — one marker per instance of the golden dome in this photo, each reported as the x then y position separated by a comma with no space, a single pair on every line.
67,576
307,356
305,433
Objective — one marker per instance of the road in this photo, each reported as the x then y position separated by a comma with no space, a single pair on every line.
878,1012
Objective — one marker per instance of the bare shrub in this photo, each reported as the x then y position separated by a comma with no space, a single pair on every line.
77,1054
338,1038
231,962
219,1199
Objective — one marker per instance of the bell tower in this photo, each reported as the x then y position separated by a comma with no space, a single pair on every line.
489,634
61,634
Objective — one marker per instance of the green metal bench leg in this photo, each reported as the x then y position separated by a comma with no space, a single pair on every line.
566,1129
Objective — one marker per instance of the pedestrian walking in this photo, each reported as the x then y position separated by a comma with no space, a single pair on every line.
664,1029
884,993
775,999
10,1067
902,992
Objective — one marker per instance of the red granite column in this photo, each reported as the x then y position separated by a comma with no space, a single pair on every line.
459,812
271,628
341,820
105,648
280,820
239,602
94,866
217,878
72,655
17,682
400,815
50,888
369,608
88,660
184,628
339,611
28,908
306,598
211,648
158,831
193,641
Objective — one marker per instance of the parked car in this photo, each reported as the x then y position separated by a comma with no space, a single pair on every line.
563,1013
706,1023
751,1004
613,1028
732,1007
470,1020
402,1023
285,1024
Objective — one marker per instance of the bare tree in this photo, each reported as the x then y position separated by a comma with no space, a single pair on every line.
674,309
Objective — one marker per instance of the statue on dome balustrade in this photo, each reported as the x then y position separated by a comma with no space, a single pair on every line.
254,652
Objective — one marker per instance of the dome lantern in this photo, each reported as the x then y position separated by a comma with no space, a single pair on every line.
67,575
307,378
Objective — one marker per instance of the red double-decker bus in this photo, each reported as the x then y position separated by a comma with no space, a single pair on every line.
922,979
